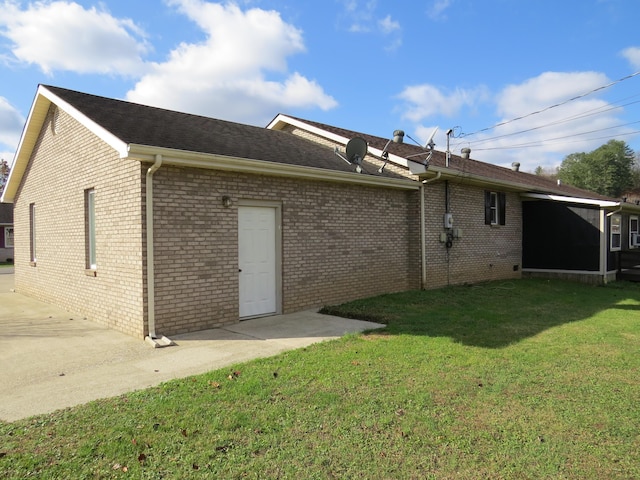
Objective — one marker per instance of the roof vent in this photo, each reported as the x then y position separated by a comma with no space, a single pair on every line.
515,166
465,153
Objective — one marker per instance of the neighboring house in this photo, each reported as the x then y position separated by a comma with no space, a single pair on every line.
6,232
162,222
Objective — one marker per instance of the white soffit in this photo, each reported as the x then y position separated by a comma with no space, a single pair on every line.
560,198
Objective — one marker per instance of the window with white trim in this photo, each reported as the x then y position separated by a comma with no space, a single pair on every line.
616,233
634,235
8,237
90,228
32,233
495,206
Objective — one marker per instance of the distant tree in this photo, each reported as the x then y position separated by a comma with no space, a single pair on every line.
607,170
635,173
4,174
546,172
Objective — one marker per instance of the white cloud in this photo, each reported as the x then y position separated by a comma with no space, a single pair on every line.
545,90
387,25
540,123
424,101
561,127
437,9
62,35
632,54
226,75
11,123
362,17
359,15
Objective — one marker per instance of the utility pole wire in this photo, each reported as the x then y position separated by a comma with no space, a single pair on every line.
543,142
588,113
553,106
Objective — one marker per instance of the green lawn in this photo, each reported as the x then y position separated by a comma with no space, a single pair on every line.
520,379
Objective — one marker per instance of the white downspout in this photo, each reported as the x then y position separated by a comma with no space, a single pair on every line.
423,229
152,338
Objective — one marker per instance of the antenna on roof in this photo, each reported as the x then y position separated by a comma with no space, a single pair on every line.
430,143
355,152
429,147
398,137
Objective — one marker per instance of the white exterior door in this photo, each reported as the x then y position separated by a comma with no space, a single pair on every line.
257,260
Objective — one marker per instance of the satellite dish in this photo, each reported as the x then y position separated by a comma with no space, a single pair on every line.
356,150
430,144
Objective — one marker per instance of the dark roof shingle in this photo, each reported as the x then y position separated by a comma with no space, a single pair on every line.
489,171
144,125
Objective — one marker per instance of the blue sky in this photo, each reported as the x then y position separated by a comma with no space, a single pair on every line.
538,68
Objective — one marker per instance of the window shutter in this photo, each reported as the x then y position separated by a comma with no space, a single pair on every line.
487,207
502,208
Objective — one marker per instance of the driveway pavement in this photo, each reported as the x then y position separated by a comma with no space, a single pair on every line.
52,359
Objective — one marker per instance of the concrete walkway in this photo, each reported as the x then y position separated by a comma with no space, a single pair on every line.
52,359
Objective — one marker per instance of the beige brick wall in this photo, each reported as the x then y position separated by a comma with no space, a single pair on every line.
66,163
339,242
484,252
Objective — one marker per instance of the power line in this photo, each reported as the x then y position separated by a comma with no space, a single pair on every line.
588,113
542,142
603,87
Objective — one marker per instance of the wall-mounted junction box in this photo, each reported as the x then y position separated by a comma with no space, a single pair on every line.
448,220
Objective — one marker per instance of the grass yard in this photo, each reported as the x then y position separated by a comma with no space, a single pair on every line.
521,379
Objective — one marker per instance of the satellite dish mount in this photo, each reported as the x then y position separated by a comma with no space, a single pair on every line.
428,147
398,137
355,152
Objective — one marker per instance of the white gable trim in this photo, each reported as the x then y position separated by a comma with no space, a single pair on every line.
277,124
280,120
31,132
106,136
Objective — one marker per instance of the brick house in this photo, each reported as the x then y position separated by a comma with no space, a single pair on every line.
539,227
6,232
156,222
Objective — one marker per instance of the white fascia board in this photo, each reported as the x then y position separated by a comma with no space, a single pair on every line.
181,158
28,138
283,119
102,133
31,132
565,199
276,124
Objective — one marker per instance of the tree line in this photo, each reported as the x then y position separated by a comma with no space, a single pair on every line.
4,174
612,169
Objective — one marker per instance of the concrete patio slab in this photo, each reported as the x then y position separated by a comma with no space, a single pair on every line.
52,359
